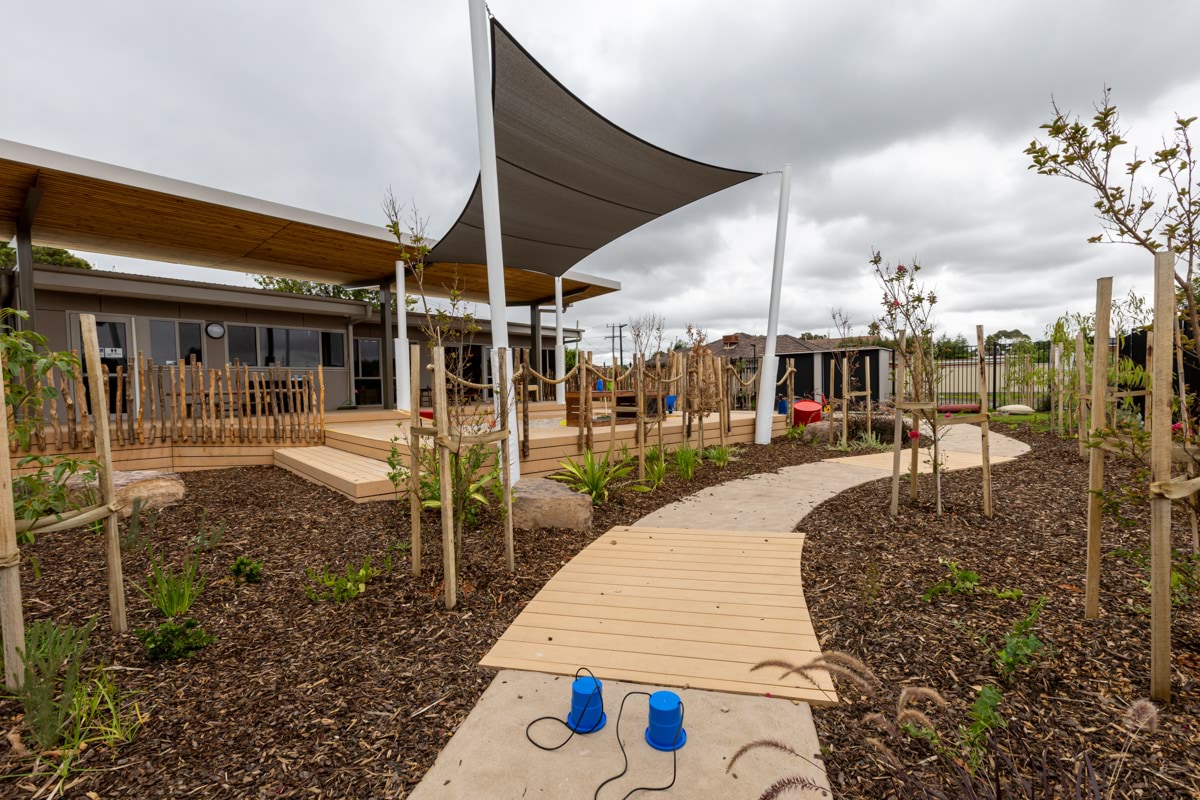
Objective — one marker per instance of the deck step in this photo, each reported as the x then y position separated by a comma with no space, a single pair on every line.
358,477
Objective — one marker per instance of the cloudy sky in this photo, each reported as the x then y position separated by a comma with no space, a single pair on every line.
904,121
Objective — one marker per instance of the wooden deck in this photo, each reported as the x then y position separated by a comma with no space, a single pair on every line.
672,607
357,445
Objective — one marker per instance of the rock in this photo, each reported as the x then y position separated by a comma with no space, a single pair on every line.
156,488
542,503
1016,408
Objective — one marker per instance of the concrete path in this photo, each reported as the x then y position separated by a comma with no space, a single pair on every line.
489,757
777,501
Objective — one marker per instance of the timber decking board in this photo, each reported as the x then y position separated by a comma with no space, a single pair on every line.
686,608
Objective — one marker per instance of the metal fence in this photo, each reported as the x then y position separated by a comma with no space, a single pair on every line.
1018,372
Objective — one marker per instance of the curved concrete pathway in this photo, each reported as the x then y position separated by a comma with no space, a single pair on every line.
488,757
778,501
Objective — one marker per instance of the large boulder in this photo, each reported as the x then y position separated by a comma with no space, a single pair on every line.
1015,408
156,488
542,503
882,425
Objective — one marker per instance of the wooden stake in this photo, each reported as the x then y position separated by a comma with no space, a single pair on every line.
983,426
867,372
120,402
1096,457
141,395
1081,411
12,619
441,414
897,425
414,454
845,401
51,382
81,402
829,400
108,495
1161,456
69,406
510,559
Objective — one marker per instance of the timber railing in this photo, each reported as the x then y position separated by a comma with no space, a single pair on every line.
182,404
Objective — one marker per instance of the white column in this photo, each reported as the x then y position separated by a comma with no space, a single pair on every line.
403,392
490,195
560,354
766,382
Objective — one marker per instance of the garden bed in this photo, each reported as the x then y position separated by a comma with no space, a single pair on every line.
295,697
864,577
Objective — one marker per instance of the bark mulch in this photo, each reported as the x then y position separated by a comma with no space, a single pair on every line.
299,698
864,575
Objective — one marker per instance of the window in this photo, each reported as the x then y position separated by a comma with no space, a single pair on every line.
174,342
333,349
290,347
189,341
242,345
162,341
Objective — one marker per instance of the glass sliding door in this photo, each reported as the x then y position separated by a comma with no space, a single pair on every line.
368,377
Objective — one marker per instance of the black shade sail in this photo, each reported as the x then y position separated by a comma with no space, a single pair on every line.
570,181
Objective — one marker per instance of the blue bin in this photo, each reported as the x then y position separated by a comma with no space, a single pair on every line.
587,706
665,731
783,407
671,404
600,385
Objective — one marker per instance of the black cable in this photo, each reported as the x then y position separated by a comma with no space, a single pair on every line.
625,756
582,714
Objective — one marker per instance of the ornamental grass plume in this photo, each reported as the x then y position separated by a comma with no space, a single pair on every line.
1141,717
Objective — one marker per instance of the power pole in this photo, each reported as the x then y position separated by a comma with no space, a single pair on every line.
618,336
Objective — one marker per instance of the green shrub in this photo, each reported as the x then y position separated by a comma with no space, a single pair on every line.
593,476
687,458
719,455
246,570
171,639
656,474
960,581
338,587
208,537
1020,644
795,433
173,593
53,658
139,532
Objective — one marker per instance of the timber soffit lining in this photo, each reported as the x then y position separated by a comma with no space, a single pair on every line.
570,181
96,207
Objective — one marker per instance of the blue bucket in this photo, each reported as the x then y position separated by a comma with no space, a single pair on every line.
671,404
587,706
783,407
665,731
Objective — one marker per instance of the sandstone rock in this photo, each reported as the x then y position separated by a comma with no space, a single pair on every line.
156,488
1016,408
542,503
